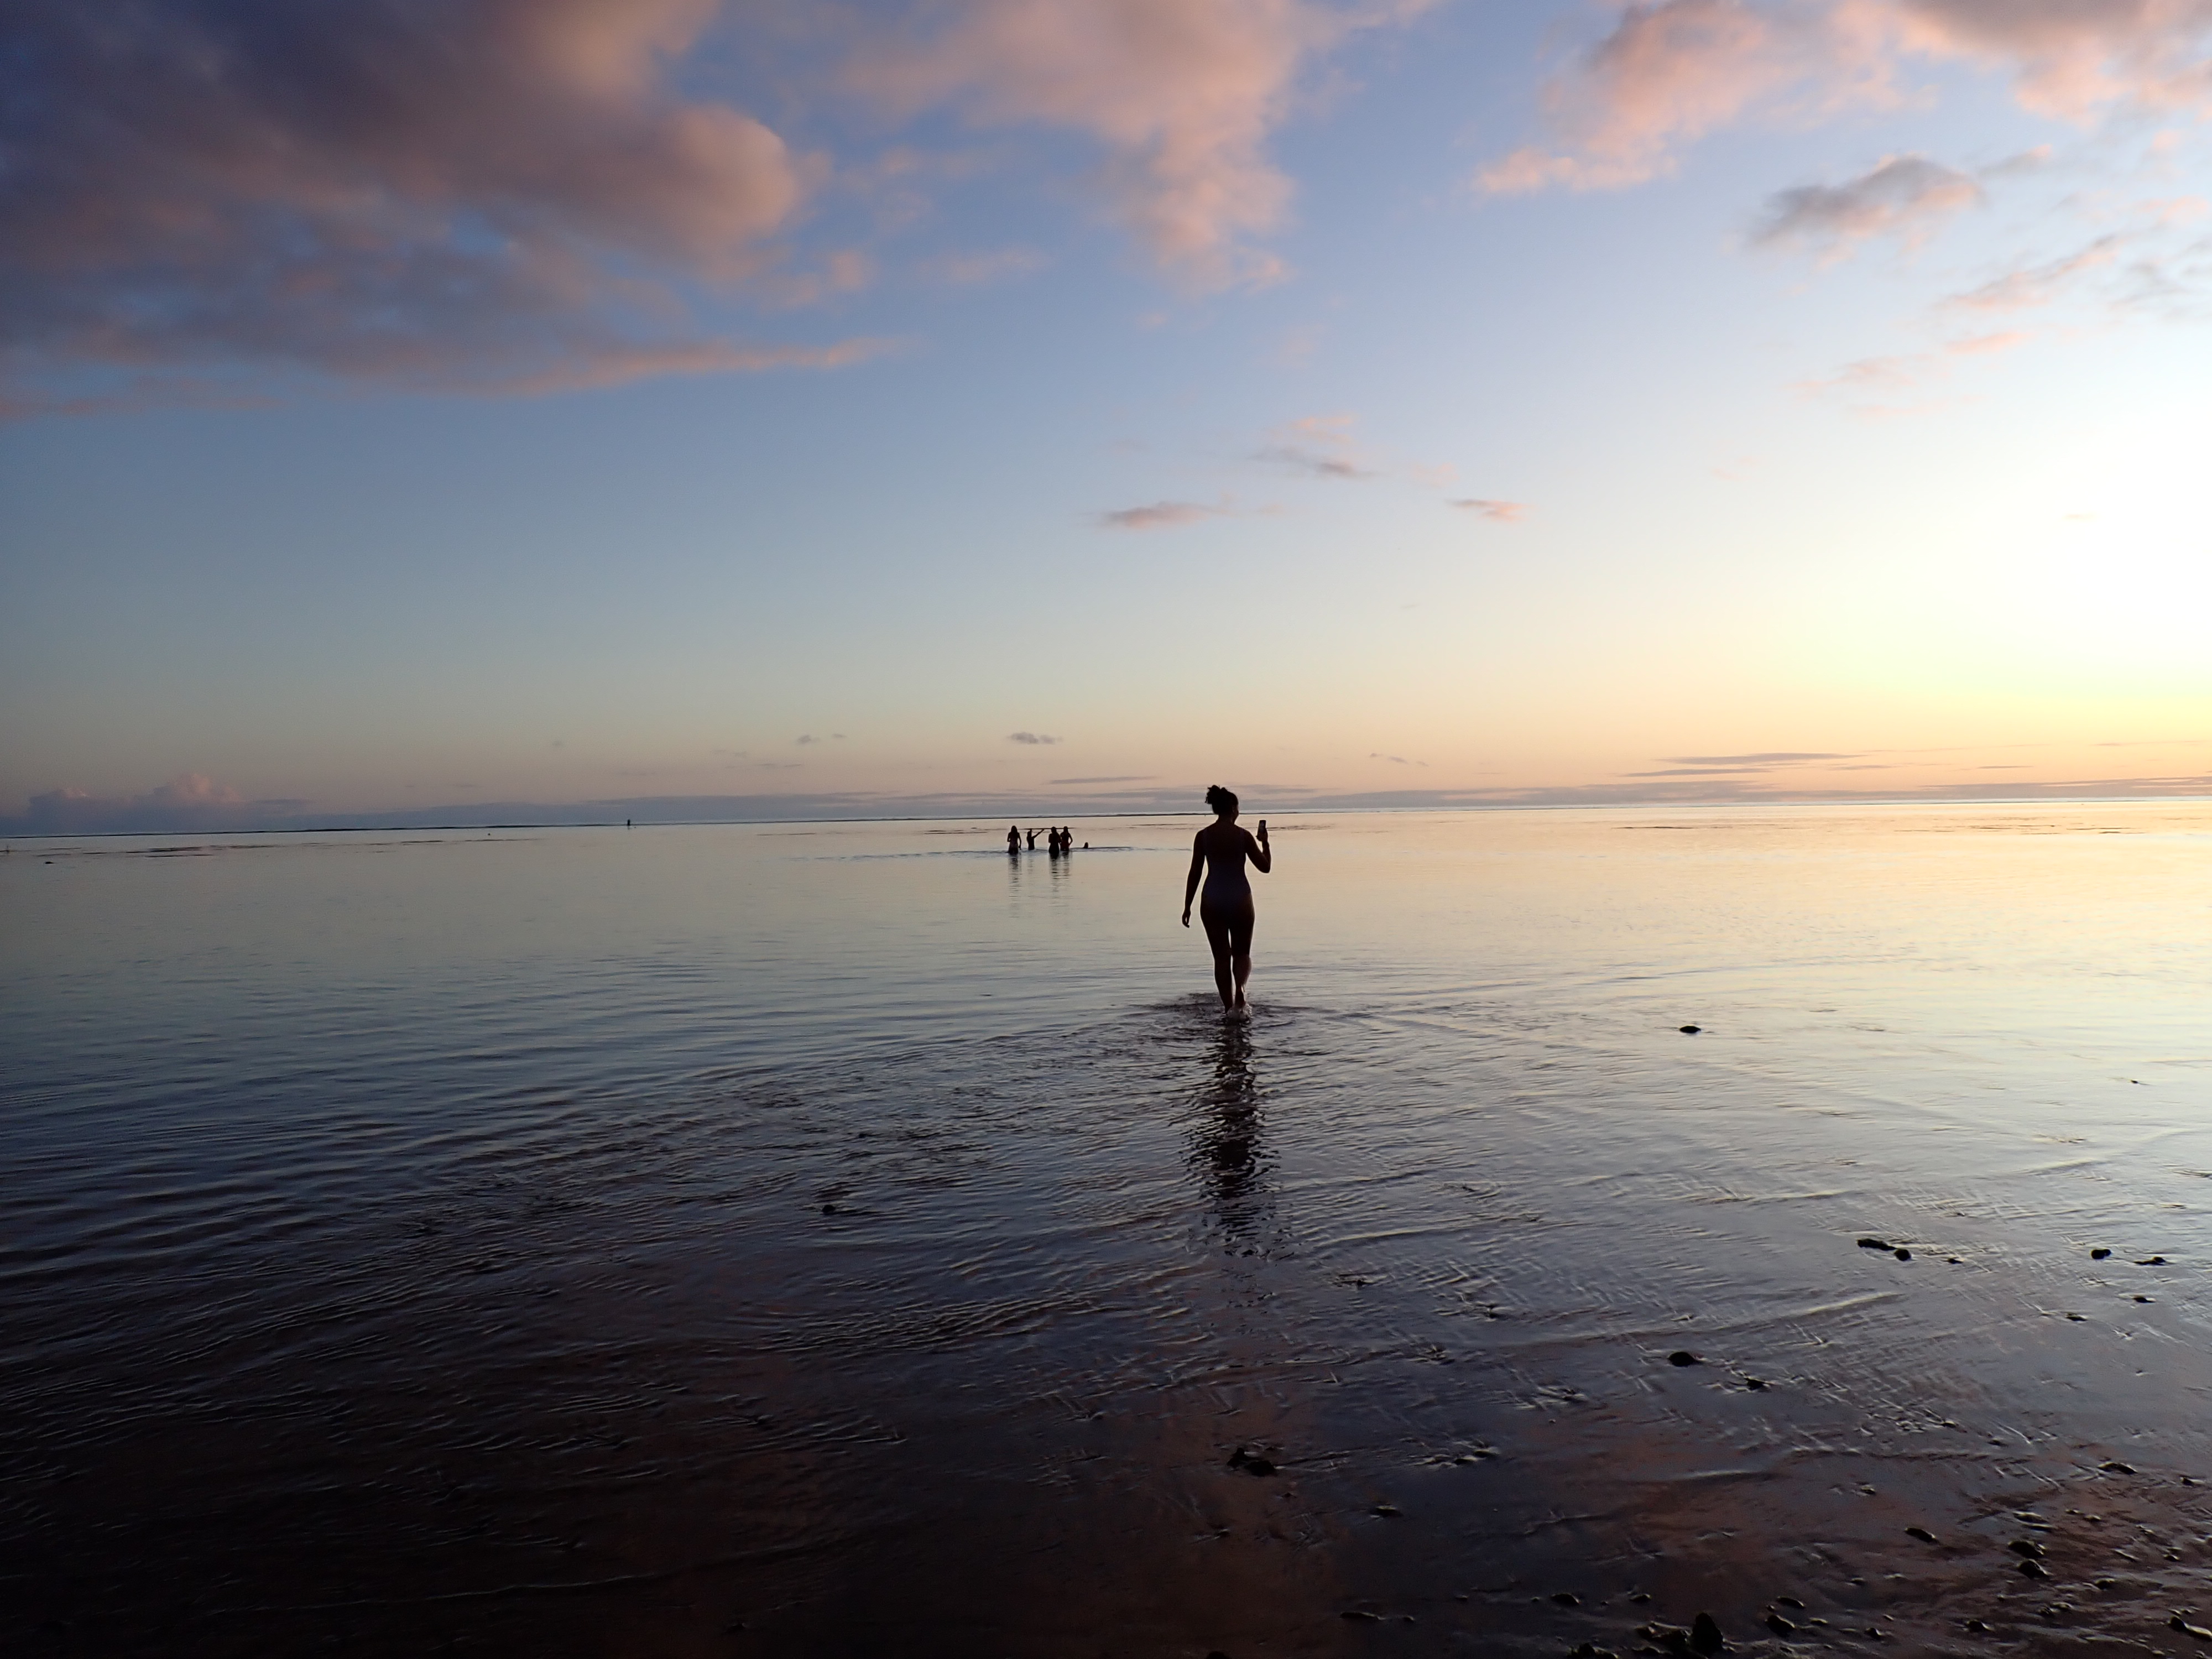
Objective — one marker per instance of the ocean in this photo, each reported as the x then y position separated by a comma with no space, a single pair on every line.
845,1238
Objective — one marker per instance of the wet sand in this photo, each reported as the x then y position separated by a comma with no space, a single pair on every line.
1358,1327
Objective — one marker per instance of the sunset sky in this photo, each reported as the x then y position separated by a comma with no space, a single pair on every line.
427,402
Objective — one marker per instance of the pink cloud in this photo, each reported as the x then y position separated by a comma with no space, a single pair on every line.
1321,446
1670,71
503,189
2031,286
1666,74
1903,196
1495,512
1159,515
1183,94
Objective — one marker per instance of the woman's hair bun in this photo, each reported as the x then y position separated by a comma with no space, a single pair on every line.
1220,799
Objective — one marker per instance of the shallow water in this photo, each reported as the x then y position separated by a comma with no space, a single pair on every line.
846,1239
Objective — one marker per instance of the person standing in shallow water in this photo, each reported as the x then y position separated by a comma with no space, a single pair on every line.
1221,851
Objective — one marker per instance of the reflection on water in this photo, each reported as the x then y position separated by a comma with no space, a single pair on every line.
1226,1149
717,1241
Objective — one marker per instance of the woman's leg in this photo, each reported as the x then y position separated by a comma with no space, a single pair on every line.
1218,926
1240,946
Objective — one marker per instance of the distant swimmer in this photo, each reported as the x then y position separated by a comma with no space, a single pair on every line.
1032,835
1220,850
1013,838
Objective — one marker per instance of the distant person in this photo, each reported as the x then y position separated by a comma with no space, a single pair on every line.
1014,838
1032,835
1220,850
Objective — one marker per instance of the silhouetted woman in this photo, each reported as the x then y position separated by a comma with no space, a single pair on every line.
1220,850
1013,838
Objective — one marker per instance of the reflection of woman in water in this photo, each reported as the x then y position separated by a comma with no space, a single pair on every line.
1220,850
1227,1151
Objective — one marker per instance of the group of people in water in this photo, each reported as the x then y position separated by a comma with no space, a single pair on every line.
1219,853
1058,840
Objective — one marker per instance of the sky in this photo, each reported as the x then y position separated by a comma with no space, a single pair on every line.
435,409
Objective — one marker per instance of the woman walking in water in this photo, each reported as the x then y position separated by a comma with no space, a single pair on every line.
1220,850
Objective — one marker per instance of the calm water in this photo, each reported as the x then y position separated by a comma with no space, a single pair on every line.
817,1240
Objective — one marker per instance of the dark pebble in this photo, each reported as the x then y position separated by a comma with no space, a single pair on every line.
1251,1463
1682,1357
1903,1255
1875,1633
2033,1569
1388,1511
2026,1546
1691,1031
1978,1627
1921,1532
1705,1634
2099,1255
2142,1298
2117,1468
1754,1382
1567,1598
1359,1617
1780,1625
1641,1597
828,1209
2152,1261
2108,1583
1875,1244
2077,1318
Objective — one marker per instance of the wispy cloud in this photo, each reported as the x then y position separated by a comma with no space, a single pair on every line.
1764,757
2031,286
1319,445
1495,511
1160,515
1119,777
1909,373
1905,196
1032,739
